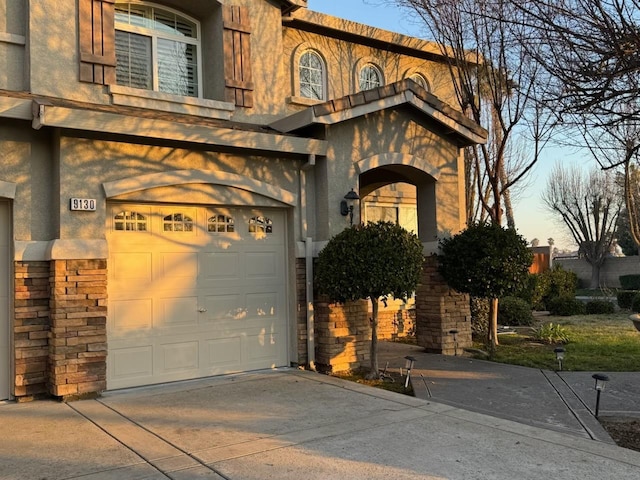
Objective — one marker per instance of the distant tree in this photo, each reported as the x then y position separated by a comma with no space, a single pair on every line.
589,206
590,52
623,234
486,261
373,261
495,83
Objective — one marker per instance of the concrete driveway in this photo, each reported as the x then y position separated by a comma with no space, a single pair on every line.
287,424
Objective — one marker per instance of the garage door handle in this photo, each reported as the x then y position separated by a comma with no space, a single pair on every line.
202,310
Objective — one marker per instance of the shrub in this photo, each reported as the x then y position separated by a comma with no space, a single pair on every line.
566,306
479,315
551,333
630,282
635,303
514,311
552,283
625,298
599,306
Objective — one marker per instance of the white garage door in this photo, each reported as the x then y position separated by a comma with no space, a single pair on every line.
194,292
5,358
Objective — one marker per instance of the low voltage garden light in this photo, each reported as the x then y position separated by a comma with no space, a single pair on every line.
559,351
601,379
408,365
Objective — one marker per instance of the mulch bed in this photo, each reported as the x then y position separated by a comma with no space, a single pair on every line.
624,431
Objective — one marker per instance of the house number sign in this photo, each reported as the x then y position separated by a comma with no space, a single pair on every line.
83,204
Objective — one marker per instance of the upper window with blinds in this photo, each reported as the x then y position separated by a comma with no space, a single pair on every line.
158,49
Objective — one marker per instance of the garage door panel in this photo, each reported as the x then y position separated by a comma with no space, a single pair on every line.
131,268
131,363
195,300
177,312
224,307
178,356
221,265
181,266
130,316
223,352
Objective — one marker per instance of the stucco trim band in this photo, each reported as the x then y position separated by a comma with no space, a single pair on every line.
122,124
60,249
381,160
7,190
184,177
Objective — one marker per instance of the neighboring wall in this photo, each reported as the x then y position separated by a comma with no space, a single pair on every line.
612,268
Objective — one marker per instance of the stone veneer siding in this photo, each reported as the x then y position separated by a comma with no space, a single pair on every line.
343,335
31,328
78,337
439,309
301,311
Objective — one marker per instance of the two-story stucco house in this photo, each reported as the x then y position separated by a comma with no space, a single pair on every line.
169,170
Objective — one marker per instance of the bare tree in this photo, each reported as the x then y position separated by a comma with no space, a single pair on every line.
495,83
589,206
590,50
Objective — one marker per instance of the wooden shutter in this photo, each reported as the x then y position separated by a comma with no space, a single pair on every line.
237,56
97,41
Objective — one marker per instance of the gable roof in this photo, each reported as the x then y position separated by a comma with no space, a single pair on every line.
405,92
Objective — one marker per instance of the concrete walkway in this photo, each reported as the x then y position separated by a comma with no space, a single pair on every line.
291,424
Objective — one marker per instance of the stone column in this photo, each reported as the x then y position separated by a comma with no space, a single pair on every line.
439,310
78,338
31,328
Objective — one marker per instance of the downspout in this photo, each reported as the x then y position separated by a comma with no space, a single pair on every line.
308,241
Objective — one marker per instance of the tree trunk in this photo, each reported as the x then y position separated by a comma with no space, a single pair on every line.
374,372
492,329
595,276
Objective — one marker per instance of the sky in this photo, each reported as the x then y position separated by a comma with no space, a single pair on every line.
532,220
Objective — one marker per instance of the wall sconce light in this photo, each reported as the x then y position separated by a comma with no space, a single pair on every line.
454,332
559,356
346,205
408,365
600,379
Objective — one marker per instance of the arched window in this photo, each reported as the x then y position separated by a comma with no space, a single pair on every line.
130,221
157,49
420,80
370,77
177,222
312,76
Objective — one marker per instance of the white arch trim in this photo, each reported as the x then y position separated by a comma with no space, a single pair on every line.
7,190
383,159
184,177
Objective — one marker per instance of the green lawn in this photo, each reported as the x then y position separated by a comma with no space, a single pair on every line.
597,343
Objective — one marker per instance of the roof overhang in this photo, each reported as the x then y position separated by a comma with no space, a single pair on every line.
403,93
124,122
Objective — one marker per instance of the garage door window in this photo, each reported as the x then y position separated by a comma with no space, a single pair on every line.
260,225
178,222
220,224
130,221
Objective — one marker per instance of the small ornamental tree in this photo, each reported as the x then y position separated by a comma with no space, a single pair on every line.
374,261
486,261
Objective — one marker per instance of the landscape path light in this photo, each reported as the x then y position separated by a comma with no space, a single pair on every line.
408,365
601,379
454,332
559,351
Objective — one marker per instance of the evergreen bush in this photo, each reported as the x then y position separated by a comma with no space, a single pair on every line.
635,303
599,307
514,311
625,298
566,306
630,282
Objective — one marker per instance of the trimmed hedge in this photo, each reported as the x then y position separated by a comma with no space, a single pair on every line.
514,311
625,298
630,282
635,303
566,306
599,306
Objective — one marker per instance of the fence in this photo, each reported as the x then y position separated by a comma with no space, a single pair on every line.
611,269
